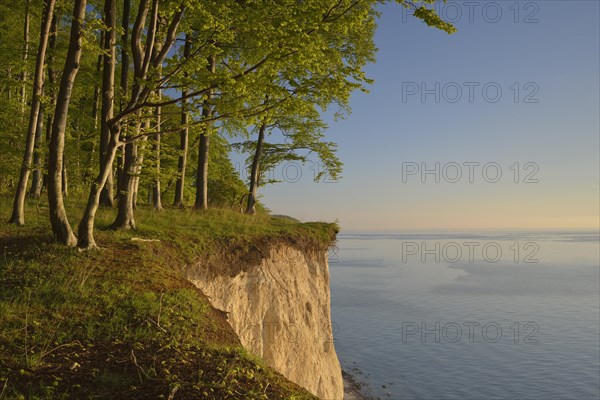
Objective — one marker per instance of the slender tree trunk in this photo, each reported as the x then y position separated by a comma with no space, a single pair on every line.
96,103
124,47
184,138
64,177
156,196
202,175
125,212
139,162
128,182
37,179
85,230
23,94
95,111
108,94
18,214
50,89
255,174
124,76
58,215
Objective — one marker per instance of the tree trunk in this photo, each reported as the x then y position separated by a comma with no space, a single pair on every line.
85,230
156,196
37,179
124,76
108,94
96,103
124,46
23,94
184,138
95,112
139,162
202,174
18,214
58,215
255,174
50,89
125,211
64,177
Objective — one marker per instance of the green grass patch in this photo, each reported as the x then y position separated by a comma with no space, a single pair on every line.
123,322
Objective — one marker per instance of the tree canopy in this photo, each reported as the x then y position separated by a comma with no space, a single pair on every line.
130,101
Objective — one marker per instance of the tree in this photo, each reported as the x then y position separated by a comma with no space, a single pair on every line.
254,173
156,195
202,174
140,90
303,137
184,136
37,176
26,26
51,90
39,162
108,96
18,214
58,216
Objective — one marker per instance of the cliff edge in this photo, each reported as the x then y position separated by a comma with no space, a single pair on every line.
278,303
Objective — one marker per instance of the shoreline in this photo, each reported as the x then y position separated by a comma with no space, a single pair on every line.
353,388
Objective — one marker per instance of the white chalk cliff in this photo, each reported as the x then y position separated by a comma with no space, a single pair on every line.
279,306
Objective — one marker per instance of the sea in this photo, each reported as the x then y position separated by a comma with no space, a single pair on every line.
468,315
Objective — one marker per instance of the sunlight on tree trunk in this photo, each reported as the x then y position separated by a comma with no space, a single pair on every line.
184,136
108,94
26,25
18,215
255,173
202,175
156,195
37,178
58,215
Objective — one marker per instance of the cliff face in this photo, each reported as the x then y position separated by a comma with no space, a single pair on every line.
279,305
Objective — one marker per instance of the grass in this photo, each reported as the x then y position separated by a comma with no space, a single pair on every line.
123,322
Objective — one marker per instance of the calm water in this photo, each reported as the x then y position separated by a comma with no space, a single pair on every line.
469,316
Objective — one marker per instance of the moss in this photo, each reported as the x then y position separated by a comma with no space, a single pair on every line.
123,322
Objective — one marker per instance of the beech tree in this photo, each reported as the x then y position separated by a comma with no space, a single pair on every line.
108,95
184,136
58,216
202,175
50,89
39,161
23,77
156,194
141,89
18,215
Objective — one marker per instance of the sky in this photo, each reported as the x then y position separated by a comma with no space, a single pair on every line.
494,127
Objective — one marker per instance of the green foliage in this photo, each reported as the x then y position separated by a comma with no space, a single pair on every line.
428,15
225,188
280,63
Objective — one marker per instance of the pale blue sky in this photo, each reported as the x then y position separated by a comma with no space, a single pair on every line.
557,56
